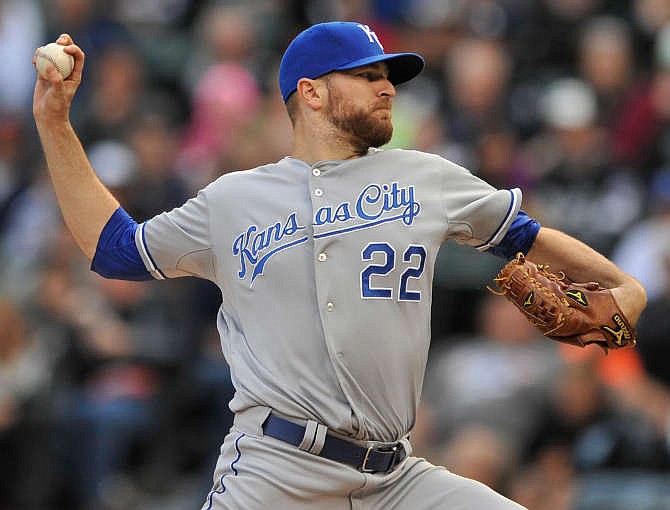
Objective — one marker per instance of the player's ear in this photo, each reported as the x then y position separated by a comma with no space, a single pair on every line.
311,92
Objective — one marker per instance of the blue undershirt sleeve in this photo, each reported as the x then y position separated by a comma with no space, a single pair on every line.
116,255
519,237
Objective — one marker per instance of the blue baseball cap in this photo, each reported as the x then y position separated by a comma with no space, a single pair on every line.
337,46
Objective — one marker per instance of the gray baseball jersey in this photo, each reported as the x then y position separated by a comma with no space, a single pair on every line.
326,276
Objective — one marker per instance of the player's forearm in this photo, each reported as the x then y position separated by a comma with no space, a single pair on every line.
85,202
581,263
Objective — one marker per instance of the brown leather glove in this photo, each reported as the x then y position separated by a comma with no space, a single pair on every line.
574,313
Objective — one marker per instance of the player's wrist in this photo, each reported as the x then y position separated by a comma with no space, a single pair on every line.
53,126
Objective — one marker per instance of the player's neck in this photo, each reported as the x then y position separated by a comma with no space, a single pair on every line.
321,145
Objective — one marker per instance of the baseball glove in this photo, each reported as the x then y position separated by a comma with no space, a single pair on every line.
574,313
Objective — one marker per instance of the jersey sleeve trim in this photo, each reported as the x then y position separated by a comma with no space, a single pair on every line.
512,210
141,242
519,237
116,254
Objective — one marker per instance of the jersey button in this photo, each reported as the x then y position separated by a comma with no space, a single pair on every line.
330,307
316,172
318,192
323,257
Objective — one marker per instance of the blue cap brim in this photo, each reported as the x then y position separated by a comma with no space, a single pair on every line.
402,66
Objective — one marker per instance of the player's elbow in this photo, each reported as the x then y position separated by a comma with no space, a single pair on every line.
635,298
641,293
636,289
641,296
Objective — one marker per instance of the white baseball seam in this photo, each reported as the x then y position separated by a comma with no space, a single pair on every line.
53,61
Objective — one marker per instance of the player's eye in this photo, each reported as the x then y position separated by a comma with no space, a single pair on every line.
371,75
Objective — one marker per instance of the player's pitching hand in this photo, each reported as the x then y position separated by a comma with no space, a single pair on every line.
53,94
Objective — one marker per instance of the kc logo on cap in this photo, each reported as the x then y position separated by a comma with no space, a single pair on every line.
371,35
338,46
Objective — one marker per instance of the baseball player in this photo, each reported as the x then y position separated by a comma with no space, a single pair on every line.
325,263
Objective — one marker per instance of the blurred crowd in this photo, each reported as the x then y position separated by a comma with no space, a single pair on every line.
113,395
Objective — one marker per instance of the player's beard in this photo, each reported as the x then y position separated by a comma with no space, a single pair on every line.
363,128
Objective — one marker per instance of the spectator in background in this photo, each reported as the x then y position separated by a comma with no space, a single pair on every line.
25,374
116,97
159,31
155,185
586,431
122,340
115,348
15,164
477,73
220,114
547,480
655,329
206,413
643,249
605,61
21,31
576,181
92,23
651,15
95,28
495,382
498,161
546,44
258,141
479,451
641,129
33,208
116,164
224,33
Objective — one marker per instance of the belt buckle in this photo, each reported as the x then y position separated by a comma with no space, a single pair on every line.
364,468
395,451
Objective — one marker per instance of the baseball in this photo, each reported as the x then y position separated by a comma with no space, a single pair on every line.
53,53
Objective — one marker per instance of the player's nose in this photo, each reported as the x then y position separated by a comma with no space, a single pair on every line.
387,88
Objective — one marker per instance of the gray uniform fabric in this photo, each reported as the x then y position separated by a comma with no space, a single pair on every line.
254,470
326,276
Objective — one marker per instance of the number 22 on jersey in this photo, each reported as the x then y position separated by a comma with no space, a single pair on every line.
414,258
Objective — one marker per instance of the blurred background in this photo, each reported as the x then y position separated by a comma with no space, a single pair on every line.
113,395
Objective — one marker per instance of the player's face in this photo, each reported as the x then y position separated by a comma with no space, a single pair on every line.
359,105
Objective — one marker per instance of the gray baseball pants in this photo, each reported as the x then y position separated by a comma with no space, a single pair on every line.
257,472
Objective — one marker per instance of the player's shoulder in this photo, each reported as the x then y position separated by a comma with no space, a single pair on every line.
232,179
251,173
420,158
407,154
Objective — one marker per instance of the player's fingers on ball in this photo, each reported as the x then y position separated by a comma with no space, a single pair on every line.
53,75
65,39
79,57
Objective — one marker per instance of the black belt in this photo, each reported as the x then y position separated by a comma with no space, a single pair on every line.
374,459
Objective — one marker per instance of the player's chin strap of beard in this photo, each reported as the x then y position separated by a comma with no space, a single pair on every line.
366,456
